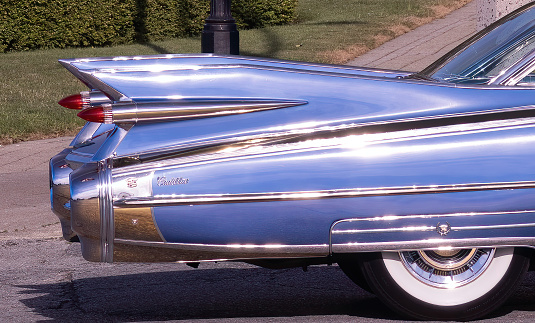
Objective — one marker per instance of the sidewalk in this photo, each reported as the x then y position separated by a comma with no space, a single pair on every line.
25,207
418,48
24,202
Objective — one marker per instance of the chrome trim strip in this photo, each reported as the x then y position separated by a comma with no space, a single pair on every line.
245,249
312,195
259,251
516,72
433,244
433,228
429,228
107,229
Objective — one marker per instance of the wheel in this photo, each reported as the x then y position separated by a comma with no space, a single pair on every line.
463,284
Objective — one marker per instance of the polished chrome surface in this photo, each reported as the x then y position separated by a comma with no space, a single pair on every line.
189,109
85,150
136,224
107,232
388,220
86,219
514,74
235,251
410,232
94,98
126,185
59,172
432,244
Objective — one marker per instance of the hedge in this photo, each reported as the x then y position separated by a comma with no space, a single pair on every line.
36,24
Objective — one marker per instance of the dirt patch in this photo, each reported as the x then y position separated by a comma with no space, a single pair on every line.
5,140
343,55
441,11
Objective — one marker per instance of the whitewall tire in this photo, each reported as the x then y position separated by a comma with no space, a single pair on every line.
444,284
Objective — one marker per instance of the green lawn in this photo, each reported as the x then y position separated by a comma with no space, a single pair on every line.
325,31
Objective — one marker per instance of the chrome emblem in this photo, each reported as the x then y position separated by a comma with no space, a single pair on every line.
131,182
443,229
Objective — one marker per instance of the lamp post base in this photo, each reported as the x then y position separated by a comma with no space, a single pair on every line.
220,38
220,34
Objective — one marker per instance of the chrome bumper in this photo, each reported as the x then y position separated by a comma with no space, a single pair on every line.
59,172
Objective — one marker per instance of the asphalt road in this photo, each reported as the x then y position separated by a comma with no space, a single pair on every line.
46,280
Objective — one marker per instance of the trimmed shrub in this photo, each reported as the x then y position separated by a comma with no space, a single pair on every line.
258,14
32,24
35,24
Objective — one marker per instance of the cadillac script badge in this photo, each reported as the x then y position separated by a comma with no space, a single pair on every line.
163,181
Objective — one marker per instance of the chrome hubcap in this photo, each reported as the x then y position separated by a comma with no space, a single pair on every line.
447,268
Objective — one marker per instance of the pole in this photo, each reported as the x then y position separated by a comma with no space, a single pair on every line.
220,34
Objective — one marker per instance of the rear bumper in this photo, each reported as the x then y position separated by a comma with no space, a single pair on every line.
60,196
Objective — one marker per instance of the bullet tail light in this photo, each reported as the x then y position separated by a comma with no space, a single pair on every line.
84,100
75,102
100,114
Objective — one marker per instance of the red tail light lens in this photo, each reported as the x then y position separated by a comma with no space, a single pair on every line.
100,114
72,102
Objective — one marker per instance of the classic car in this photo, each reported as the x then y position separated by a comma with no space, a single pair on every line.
420,186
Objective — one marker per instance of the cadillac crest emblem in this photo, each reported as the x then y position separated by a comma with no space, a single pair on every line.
443,228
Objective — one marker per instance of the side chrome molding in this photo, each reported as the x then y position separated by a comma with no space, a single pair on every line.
431,231
309,195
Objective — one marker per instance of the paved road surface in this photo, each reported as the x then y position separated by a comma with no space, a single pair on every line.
46,280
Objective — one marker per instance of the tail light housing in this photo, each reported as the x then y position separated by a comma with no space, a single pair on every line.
75,102
84,100
100,114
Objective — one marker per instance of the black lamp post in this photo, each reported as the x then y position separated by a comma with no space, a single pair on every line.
220,34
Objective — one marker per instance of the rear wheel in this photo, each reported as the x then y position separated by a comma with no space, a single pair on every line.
444,284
